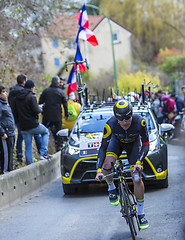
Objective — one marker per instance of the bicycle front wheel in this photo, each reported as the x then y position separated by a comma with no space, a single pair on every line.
127,209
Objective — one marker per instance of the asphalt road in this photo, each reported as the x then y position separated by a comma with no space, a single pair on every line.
49,215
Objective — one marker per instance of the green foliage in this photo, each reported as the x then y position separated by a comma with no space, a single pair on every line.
155,24
132,82
173,64
92,11
164,54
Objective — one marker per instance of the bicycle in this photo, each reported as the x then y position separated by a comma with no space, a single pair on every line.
126,197
80,85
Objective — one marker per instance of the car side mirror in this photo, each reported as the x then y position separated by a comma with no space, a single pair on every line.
165,127
63,133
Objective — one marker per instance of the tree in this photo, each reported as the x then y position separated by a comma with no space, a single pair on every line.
155,24
174,66
21,23
132,82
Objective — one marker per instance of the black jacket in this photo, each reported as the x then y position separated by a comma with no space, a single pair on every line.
14,91
52,98
26,109
179,104
7,124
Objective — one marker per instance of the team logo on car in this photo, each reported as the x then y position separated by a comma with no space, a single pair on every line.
93,145
96,144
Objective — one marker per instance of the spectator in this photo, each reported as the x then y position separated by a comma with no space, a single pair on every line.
179,108
14,91
183,92
62,83
169,108
73,110
52,98
157,109
179,102
7,128
27,110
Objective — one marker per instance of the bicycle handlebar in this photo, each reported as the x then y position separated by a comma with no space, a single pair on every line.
76,62
114,173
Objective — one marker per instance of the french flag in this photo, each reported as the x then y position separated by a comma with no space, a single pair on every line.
82,18
78,57
71,83
87,35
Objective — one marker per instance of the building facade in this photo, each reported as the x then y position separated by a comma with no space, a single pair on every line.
58,44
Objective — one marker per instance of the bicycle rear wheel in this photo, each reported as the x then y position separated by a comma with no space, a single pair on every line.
127,209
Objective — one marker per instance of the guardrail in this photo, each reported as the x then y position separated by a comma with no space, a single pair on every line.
18,183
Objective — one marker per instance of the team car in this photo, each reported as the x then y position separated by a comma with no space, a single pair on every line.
79,156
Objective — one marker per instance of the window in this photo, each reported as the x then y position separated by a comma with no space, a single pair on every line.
57,62
55,42
71,44
116,37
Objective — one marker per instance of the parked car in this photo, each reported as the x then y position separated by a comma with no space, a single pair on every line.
79,156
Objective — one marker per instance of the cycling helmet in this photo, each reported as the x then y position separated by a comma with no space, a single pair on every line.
123,110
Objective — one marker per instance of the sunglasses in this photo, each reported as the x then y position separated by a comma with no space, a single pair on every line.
125,118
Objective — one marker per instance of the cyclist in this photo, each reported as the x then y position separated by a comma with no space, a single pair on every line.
124,131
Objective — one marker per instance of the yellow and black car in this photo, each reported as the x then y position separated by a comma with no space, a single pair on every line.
79,156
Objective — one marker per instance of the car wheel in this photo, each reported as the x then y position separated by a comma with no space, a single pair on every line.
69,189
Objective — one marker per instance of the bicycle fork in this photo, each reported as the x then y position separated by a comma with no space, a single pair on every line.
130,202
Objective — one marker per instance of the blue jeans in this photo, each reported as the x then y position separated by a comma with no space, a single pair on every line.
27,136
37,138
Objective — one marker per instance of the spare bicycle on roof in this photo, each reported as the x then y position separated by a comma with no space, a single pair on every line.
81,86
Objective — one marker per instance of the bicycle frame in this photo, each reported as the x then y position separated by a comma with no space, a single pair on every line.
80,85
128,206
126,198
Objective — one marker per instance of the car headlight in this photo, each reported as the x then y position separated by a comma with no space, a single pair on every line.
73,150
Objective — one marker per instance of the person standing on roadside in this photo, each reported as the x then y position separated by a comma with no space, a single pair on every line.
179,102
74,111
62,83
157,109
179,108
7,133
26,111
52,98
14,91
160,94
169,109
183,92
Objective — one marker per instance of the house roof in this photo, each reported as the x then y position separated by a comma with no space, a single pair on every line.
66,26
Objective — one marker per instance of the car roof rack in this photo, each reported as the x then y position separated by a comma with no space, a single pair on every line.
142,103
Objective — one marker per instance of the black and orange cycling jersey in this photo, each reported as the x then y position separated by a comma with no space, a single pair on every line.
116,139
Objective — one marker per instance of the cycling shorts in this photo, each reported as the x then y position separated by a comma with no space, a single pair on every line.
132,149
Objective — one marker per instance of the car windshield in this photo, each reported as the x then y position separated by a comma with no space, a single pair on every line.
92,122
95,121
149,120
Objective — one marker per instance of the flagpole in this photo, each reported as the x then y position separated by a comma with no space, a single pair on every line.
113,54
86,51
